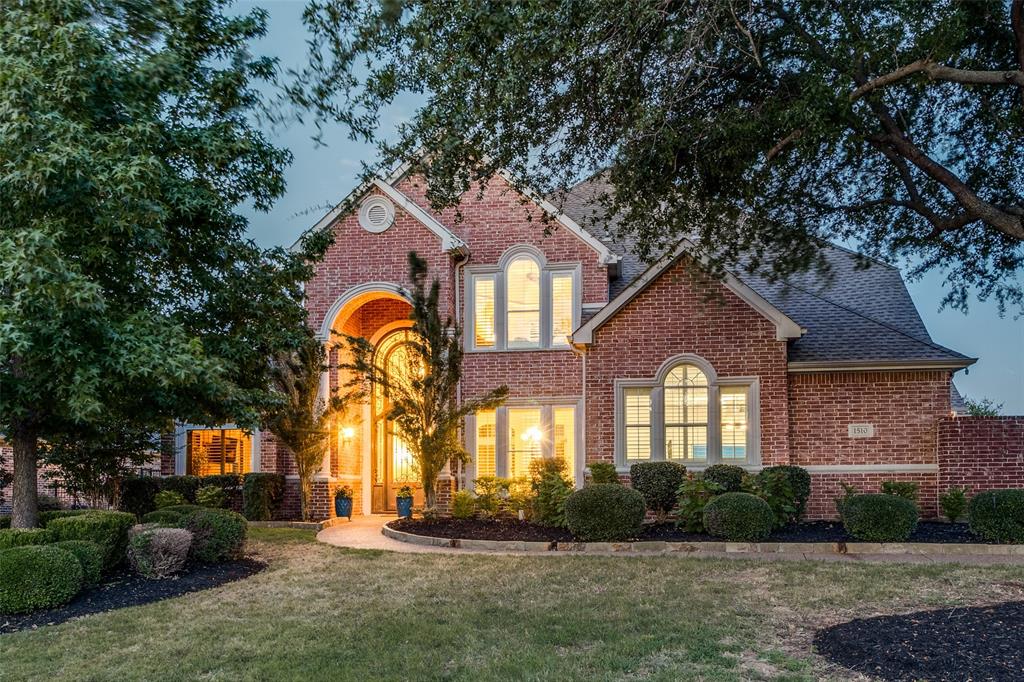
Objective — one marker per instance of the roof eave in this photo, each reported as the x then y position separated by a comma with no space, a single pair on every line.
807,366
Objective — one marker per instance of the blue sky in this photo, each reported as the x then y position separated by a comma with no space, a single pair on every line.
321,176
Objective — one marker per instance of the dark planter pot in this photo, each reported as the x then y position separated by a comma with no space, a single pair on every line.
404,506
343,507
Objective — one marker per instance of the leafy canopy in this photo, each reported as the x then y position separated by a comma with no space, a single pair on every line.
759,128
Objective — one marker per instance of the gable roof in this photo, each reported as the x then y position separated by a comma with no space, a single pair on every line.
854,318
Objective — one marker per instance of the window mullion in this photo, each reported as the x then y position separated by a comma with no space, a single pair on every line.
547,428
657,423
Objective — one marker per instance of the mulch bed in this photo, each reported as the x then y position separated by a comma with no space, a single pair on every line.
128,589
813,531
976,643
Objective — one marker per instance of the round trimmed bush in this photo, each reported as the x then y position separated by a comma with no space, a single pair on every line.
877,517
108,529
799,483
217,534
603,472
37,577
262,494
658,482
729,476
89,555
739,517
604,512
998,515
183,509
20,537
165,517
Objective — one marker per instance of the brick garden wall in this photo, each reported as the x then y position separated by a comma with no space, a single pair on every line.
981,453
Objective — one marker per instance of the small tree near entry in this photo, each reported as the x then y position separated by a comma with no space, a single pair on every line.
423,395
302,417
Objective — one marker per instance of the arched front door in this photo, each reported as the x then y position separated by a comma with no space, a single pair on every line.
392,463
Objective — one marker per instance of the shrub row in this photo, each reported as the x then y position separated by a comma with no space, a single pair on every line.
261,494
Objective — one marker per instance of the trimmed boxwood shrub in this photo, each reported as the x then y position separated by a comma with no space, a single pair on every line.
37,577
739,517
159,552
137,494
799,483
186,486
604,512
998,515
47,516
168,498
217,534
165,517
658,482
262,495
183,509
728,476
89,555
19,537
108,529
603,472
877,517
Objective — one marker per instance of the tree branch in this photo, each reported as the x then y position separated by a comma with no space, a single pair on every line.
941,72
1017,24
783,143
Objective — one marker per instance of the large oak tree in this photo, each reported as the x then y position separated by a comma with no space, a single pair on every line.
128,291
760,127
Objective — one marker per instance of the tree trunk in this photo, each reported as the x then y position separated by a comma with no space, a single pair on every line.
306,496
26,498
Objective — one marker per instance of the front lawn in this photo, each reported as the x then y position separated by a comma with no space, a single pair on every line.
320,612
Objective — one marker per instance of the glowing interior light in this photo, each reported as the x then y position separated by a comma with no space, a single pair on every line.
532,434
348,432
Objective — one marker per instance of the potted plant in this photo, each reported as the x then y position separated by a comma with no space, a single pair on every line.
343,502
404,501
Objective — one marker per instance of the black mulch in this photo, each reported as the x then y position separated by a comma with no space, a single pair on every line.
127,589
978,643
813,531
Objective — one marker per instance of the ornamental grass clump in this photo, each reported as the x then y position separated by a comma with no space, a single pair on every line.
159,552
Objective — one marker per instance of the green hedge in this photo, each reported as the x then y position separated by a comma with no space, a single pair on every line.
217,534
998,515
728,476
137,495
739,517
186,486
799,483
168,498
603,472
108,529
20,537
878,517
37,577
47,516
658,482
604,512
262,495
164,517
89,555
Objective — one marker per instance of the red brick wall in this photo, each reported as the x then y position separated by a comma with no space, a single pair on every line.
904,408
682,312
825,488
981,453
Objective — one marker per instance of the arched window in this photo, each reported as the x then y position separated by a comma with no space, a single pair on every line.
523,291
686,414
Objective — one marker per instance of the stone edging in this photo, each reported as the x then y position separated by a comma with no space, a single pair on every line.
301,525
664,547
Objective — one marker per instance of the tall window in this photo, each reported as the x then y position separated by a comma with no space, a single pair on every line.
525,436
218,451
686,415
523,290
637,439
483,327
509,439
734,422
561,309
563,435
486,443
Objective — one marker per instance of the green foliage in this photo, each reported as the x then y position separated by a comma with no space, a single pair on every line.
211,496
953,503
343,493
998,515
604,512
131,290
879,517
47,516
229,483
849,492
489,493
164,517
775,487
739,517
138,495
159,552
404,492
108,529
749,127
168,498
908,490
186,486
693,495
89,555
659,483
262,495
19,537
422,396
603,472
550,494
183,509
5,522
799,484
728,476
38,577
463,505
986,407
217,534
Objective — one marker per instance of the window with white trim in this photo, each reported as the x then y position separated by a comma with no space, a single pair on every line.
507,440
523,303
687,414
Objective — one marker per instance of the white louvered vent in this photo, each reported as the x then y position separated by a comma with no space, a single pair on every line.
376,214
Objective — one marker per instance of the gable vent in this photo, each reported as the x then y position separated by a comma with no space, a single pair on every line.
376,214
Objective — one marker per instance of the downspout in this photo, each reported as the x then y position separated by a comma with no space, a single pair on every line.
463,256
581,350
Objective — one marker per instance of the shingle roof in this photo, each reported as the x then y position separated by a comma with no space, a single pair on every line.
855,314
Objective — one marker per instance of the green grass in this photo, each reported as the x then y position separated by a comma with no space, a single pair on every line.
320,612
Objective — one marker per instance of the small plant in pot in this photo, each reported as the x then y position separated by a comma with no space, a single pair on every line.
343,502
404,501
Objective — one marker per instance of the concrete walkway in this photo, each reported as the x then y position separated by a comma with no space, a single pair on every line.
364,532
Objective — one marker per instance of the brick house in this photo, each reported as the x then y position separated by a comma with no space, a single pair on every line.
609,359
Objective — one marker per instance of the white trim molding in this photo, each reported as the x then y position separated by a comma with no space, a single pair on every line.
879,365
357,296
871,468
449,240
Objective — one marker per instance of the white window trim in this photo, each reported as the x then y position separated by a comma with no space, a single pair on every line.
546,407
656,385
498,273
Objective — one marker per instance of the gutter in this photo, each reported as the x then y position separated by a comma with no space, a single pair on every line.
888,365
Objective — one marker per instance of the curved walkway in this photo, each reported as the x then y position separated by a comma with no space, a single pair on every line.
364,532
